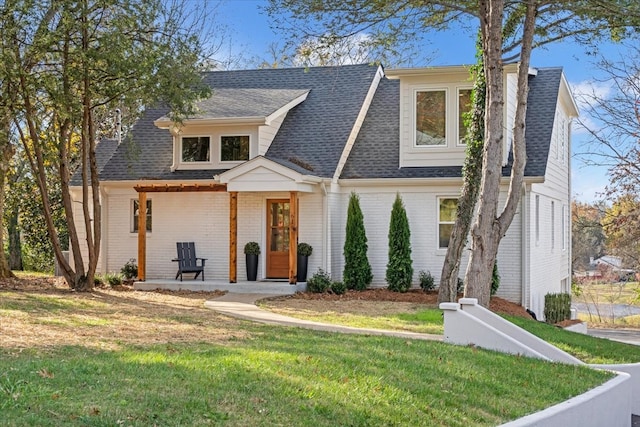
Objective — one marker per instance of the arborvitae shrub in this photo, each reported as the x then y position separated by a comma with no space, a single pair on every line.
357,270
495,279
557,307
399,266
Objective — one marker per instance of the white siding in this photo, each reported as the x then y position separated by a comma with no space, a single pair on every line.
511,91
451,155
550,259
267,133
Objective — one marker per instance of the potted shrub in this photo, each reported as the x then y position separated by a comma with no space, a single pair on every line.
304,252
251,251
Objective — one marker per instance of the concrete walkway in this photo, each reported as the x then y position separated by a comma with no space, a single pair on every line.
243,306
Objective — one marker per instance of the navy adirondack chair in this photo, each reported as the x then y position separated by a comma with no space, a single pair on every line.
187,260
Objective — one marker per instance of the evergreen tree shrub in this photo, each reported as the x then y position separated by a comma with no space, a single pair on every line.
557,307
400,265
495,279
357,270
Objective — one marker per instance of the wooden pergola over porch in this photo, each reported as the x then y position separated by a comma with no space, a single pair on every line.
233,225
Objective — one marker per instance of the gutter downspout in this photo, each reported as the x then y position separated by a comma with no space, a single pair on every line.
326,230
524,251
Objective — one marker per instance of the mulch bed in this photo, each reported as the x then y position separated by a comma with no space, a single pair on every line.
497,305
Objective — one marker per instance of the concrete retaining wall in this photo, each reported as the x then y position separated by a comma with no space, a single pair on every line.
468,323
606,405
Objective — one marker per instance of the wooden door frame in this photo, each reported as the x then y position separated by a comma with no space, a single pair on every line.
268,231
293,234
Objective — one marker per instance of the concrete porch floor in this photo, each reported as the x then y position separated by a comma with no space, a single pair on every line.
245,287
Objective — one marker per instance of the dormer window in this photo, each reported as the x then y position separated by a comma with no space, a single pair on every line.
234,148
196,149
439,118
431,118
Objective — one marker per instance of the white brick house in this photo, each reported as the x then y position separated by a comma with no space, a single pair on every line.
268,138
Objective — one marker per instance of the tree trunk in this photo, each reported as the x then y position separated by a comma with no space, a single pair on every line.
7,153
15,245
484,233
488,230
472,174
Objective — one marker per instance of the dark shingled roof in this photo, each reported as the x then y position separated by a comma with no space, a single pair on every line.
310,140
244,103
376,151
312,137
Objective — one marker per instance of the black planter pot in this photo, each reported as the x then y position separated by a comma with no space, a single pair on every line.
303,261
252,267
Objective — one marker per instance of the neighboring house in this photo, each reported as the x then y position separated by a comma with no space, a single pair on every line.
274,154
611,264
607,261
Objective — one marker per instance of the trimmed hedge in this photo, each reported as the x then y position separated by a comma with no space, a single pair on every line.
557,307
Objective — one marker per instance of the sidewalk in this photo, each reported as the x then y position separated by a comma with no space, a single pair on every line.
629,336
243,306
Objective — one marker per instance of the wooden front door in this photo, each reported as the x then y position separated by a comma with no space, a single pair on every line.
278,239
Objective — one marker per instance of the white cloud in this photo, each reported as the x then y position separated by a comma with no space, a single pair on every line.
586,91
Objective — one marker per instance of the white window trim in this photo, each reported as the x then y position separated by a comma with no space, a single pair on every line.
232,162
438,222
195,165
414,114
457,106
132,216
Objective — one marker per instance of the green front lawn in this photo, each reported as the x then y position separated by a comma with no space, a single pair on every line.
139,359
586,348
281,376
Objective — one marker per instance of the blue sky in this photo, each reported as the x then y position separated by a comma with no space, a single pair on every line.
251,35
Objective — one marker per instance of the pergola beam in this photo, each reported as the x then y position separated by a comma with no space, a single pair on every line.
179,188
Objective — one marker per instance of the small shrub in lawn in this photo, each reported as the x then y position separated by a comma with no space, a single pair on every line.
98,280
427,283
130,269
338,288
320,282
113,279
557,307
460,287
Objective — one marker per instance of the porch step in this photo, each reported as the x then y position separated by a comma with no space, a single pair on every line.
275,288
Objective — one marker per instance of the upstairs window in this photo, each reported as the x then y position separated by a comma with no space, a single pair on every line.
234,148
464,106
431,118
447,208
196,149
